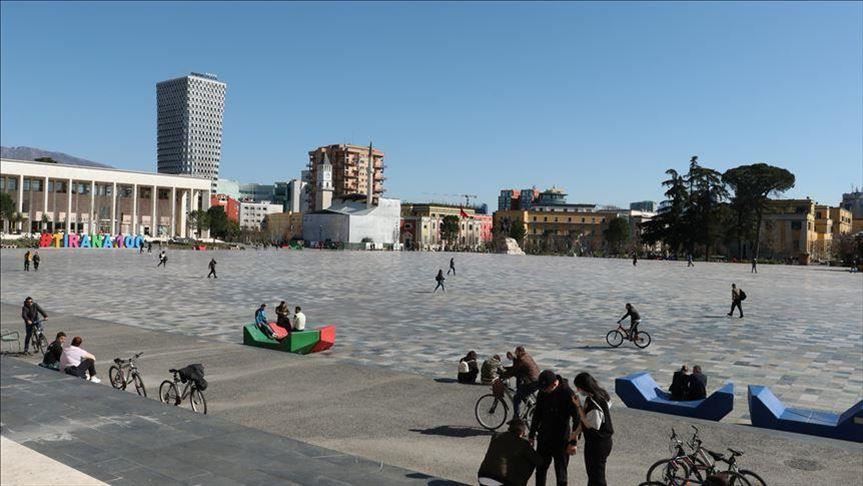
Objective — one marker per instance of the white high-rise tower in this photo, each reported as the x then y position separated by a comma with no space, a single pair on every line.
189,118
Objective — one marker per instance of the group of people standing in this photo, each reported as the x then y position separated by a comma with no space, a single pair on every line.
32,258
562,417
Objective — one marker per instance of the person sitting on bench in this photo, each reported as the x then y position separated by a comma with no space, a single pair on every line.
261,321
299,322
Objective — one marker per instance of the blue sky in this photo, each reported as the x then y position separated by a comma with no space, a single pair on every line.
597,98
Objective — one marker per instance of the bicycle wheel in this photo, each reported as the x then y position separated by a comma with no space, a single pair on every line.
139,384
40,343
670,472
737,479
115,376
642,340
168,393
614,338
491,412
754,479
197,401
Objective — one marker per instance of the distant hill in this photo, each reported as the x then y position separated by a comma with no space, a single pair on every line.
32,153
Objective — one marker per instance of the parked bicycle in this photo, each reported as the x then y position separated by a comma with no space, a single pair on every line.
170,394
491,410
123,372
616,337
692,468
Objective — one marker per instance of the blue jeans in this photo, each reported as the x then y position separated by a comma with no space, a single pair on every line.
521,394
28,328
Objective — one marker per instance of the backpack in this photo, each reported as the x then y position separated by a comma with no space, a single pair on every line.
463,367
742,295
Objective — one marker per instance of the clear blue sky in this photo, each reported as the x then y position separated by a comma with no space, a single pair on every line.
598,98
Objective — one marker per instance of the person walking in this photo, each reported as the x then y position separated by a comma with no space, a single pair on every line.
451,266
689,260
440,278
27,258
163,260
213,270
149,247
30,312
754,265
551,426
36,260
593,404
737,297
635,259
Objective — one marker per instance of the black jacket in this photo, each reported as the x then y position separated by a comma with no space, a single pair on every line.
697,386
52,355
679,386
32,313
553,416
606,429
509,459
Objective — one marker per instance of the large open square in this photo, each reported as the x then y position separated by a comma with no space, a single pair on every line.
801,334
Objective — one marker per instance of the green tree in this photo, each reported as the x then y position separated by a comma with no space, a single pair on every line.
707,191
616,234
218,222
517,231
7,207
449,229
200,220
670,226
753,185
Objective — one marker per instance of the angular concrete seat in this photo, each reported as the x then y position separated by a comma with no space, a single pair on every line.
328,339
300,342
767,411
278,331
640,391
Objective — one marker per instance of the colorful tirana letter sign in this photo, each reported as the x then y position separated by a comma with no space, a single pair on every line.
100,240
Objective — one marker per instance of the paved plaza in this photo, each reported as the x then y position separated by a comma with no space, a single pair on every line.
802,334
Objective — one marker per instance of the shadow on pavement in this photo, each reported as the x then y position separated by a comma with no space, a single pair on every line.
433,481
453,431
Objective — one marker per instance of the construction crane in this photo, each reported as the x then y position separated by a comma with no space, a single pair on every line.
467,198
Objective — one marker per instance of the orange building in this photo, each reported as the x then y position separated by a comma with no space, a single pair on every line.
231,205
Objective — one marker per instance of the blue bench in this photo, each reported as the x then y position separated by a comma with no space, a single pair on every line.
640,391
767,411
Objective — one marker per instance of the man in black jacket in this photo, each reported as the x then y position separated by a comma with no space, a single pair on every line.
55,350
552,425
697,384
679,384
509,459
30,313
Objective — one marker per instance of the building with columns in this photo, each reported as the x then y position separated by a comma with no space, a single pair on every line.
78,199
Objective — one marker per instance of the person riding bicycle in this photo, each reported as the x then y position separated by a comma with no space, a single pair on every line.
526,374
634,320
30,313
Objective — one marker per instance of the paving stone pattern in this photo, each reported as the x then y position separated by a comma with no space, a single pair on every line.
121,439
802,334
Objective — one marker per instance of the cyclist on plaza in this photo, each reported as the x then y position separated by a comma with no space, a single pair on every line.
526,374
634,320
30,313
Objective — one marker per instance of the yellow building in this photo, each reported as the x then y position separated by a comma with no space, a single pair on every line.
802,230
283,227
421,223
843,221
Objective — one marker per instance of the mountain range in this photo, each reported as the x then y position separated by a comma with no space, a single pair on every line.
32,153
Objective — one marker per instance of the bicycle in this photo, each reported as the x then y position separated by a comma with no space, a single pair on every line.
491,410
684,469
40,342
615,337
701,453
124,371
170,394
